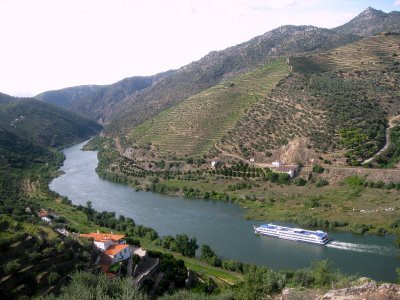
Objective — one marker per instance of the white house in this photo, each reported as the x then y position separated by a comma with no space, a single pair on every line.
104,240
291,170
46,219
277,164
117,253
214,164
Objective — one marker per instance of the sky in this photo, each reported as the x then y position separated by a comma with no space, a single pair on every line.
53,44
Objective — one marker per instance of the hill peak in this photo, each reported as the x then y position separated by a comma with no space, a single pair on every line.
371,21
371,11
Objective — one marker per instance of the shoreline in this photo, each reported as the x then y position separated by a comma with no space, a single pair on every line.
256,209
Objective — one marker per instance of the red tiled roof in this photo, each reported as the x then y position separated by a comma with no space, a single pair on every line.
114,249
103,237
43,213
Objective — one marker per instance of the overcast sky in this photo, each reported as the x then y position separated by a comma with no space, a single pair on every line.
52,44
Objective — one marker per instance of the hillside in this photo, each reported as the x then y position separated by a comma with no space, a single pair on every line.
334,105
42,123
67,97
17,153
218,65
198,122
134,100
370,22
98,101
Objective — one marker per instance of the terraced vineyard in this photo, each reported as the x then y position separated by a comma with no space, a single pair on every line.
193,126
350,90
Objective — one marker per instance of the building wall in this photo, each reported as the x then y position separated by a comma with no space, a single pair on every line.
124,254
102,245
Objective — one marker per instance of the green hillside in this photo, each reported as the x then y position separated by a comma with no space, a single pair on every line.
217,66
337,101
193,126
43,123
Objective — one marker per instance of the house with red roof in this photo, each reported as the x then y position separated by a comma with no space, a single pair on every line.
115,253
104,240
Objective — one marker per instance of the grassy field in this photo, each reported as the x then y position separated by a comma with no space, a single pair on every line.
193,126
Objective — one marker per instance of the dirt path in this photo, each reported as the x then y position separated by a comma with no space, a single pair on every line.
225,153
119,146
386,146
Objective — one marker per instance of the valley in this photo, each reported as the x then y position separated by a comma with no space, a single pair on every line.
150,187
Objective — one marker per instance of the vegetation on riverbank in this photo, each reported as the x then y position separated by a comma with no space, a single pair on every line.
359,207
27,249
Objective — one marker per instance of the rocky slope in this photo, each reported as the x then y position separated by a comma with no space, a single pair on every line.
370,22
98,101
365,289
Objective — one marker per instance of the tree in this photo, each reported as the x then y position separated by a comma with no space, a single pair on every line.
259,283
85,285
12,267
53,278
206,252
322,272
186,246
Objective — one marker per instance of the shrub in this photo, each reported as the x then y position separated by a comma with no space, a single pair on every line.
53,278
354,180
359,228
318,169
303,277
322,182
132,241
12,267
311,203
299,182
5,243
322,272
4,224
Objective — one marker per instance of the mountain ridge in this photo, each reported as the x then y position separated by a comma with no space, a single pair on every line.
370,22
122,107
42,123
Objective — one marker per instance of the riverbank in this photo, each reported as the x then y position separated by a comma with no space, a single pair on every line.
220,224
347,206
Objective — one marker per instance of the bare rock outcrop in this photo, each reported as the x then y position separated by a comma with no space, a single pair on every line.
364,289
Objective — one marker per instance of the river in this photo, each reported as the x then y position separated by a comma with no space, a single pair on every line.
220,225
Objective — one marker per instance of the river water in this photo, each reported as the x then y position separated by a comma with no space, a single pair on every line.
220,225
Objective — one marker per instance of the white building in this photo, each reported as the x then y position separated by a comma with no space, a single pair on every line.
291,170
214,164
116,253
105,240
277,164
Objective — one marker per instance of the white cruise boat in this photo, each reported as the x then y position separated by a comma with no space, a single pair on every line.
295,234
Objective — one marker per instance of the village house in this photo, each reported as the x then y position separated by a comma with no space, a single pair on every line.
291,170
104,240
113,248
214,164
281,167
42,213
276,164
115,253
